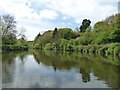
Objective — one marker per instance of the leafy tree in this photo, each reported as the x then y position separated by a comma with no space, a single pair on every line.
107,31
22,42
67,33
86,38
7,28
43,39
115,28
115,35
63,44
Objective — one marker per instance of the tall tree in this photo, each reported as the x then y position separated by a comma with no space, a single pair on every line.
8,25
85,24
54,32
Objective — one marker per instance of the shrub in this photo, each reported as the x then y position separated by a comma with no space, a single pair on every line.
36,46
117,50
113,47
49,46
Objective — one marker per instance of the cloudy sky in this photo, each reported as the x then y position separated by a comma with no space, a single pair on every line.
42,15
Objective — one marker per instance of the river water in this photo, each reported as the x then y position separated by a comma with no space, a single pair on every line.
50,69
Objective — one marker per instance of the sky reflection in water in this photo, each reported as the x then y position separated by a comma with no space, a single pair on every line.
56,70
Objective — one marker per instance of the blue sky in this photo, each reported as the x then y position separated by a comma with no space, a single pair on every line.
42,15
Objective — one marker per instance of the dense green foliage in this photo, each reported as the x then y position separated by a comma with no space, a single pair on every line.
54,38
103,38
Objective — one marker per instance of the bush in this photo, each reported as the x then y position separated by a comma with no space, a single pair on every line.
117,50
36,46
110,49
113,48
102,39
85,38
63,44
49,46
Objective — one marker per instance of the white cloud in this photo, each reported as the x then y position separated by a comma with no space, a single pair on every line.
69,23
42,19
26,17
33,27
64,17
49,14
80,9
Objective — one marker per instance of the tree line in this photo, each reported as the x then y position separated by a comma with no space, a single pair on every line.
104,37
9,33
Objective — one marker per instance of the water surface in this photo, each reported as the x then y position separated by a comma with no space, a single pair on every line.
50,69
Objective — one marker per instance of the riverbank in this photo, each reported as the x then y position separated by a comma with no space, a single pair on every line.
105,49
112,49
14,47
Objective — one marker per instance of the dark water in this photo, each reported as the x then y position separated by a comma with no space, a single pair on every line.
49,69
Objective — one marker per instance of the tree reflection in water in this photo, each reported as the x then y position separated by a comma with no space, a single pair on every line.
103,69
85,75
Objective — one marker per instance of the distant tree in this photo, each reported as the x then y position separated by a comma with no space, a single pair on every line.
54,32
22,41
85,24
37,36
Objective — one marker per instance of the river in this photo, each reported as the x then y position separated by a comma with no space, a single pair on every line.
51,69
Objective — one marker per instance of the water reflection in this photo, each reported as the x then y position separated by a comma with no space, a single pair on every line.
41,69
85,75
